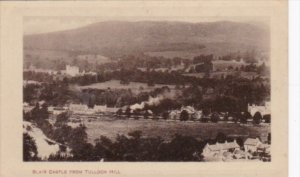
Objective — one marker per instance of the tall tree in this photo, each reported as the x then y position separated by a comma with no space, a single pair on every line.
30,152
184,115
257,118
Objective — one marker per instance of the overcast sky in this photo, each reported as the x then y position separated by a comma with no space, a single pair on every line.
35,25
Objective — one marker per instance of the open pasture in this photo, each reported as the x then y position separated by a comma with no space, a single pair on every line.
167,129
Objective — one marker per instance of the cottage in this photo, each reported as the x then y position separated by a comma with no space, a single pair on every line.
239,154
190,110
72,70
40,70
218,149
91,73
174,114
111,110
264,148
31,82
100,108
251,144
78,108
58,110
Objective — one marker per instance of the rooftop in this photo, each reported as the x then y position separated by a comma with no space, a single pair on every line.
252,141
223,146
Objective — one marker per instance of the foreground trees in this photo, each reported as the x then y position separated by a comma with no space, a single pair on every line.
184,115
30,152
134,147
215,117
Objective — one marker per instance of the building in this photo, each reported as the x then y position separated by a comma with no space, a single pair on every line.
27,108
224,65
264,151
40,70
251,144
78,108
57,110
190,110
84,109
175,114
31,82
100,108
111,110
264,148
263,110
91,73
218,149
72,70
193,114
239,154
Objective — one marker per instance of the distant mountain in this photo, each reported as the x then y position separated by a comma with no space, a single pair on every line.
113,38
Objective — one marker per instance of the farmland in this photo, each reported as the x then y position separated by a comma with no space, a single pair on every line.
217,48
167,129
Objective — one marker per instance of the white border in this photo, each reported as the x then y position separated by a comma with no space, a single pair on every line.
294,85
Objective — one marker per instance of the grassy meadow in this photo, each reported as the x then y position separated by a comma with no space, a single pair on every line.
167,129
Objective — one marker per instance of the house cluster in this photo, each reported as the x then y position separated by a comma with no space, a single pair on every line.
70,70
126,110
40,70
197,115
192,113
224,65
263,110
253,149
30,82
77,109
82,109
56,110
74,71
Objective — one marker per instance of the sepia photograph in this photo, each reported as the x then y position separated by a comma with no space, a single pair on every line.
140,89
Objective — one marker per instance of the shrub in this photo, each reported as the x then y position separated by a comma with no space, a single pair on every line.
184,115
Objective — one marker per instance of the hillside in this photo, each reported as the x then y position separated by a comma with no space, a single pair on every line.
114,38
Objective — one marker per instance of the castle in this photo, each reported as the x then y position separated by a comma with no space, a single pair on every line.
72,70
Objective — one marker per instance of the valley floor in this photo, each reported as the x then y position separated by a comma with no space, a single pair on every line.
167,129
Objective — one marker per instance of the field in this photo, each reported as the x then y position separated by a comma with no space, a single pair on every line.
189,54
135,87
48,55
167,129
216,48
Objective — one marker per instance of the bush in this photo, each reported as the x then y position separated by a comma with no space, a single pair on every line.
257,118
243,117
267,118
165,115
30,152
215,117
61,119
221,137
184,115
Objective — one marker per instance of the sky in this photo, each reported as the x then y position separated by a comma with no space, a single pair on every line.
35,25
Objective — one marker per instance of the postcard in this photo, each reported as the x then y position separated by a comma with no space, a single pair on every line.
144,88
